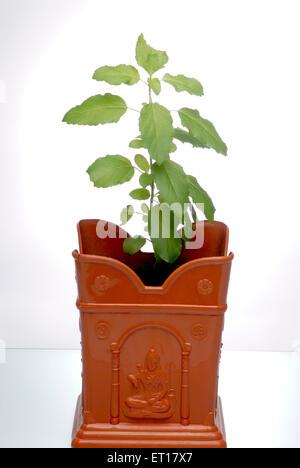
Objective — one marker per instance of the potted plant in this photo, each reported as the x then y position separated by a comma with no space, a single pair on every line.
151,323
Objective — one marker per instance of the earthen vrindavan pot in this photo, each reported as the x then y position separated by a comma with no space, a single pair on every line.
150,354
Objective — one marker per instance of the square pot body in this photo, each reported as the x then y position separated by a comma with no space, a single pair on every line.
150,355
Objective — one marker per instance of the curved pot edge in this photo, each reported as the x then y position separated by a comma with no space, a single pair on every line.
85,258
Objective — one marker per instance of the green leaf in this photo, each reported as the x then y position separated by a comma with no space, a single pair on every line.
186,137
132,245
202,129
157,131
111,170
200,196
126,214
136,144
171,182
173,148
167,249
140,194
148,58
97,110
142,162
145,208
155,85
194,214
182,83
163,223
146,180
117,75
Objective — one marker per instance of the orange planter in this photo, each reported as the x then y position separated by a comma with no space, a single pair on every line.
150,354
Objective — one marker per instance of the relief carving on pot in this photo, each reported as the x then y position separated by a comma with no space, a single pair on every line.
153,396
205,287
102,330
199,331
102,283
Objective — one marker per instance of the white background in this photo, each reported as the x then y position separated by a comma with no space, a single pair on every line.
246,54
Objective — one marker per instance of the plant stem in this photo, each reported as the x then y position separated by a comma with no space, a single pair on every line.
135,110
151,161
150,95
152,185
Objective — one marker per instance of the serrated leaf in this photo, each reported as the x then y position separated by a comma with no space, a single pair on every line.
183,83
126,214
126,74
148,58
146,180
171,182
142,162
97,110
202,129
136,144
157,131
186,137
132,245
111,170
155,85
140,194
201,196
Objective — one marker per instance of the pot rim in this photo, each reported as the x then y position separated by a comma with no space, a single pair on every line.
86,258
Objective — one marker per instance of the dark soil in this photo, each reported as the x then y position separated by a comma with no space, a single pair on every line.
155,274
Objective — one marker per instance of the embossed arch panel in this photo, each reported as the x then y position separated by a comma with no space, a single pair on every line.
150,375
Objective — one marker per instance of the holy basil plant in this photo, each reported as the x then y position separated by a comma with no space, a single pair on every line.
162,182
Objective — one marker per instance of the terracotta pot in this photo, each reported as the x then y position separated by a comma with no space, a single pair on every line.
150,354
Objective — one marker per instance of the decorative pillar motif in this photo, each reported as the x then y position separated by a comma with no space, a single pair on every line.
115,390
185,387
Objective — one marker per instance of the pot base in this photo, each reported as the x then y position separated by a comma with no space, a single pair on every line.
148,435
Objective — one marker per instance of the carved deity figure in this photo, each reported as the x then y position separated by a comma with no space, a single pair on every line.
152,397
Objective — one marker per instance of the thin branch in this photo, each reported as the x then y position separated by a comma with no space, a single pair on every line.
138,169
131,108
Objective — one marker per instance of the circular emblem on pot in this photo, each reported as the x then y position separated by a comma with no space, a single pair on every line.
199,331
205,287
102,330
102,283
